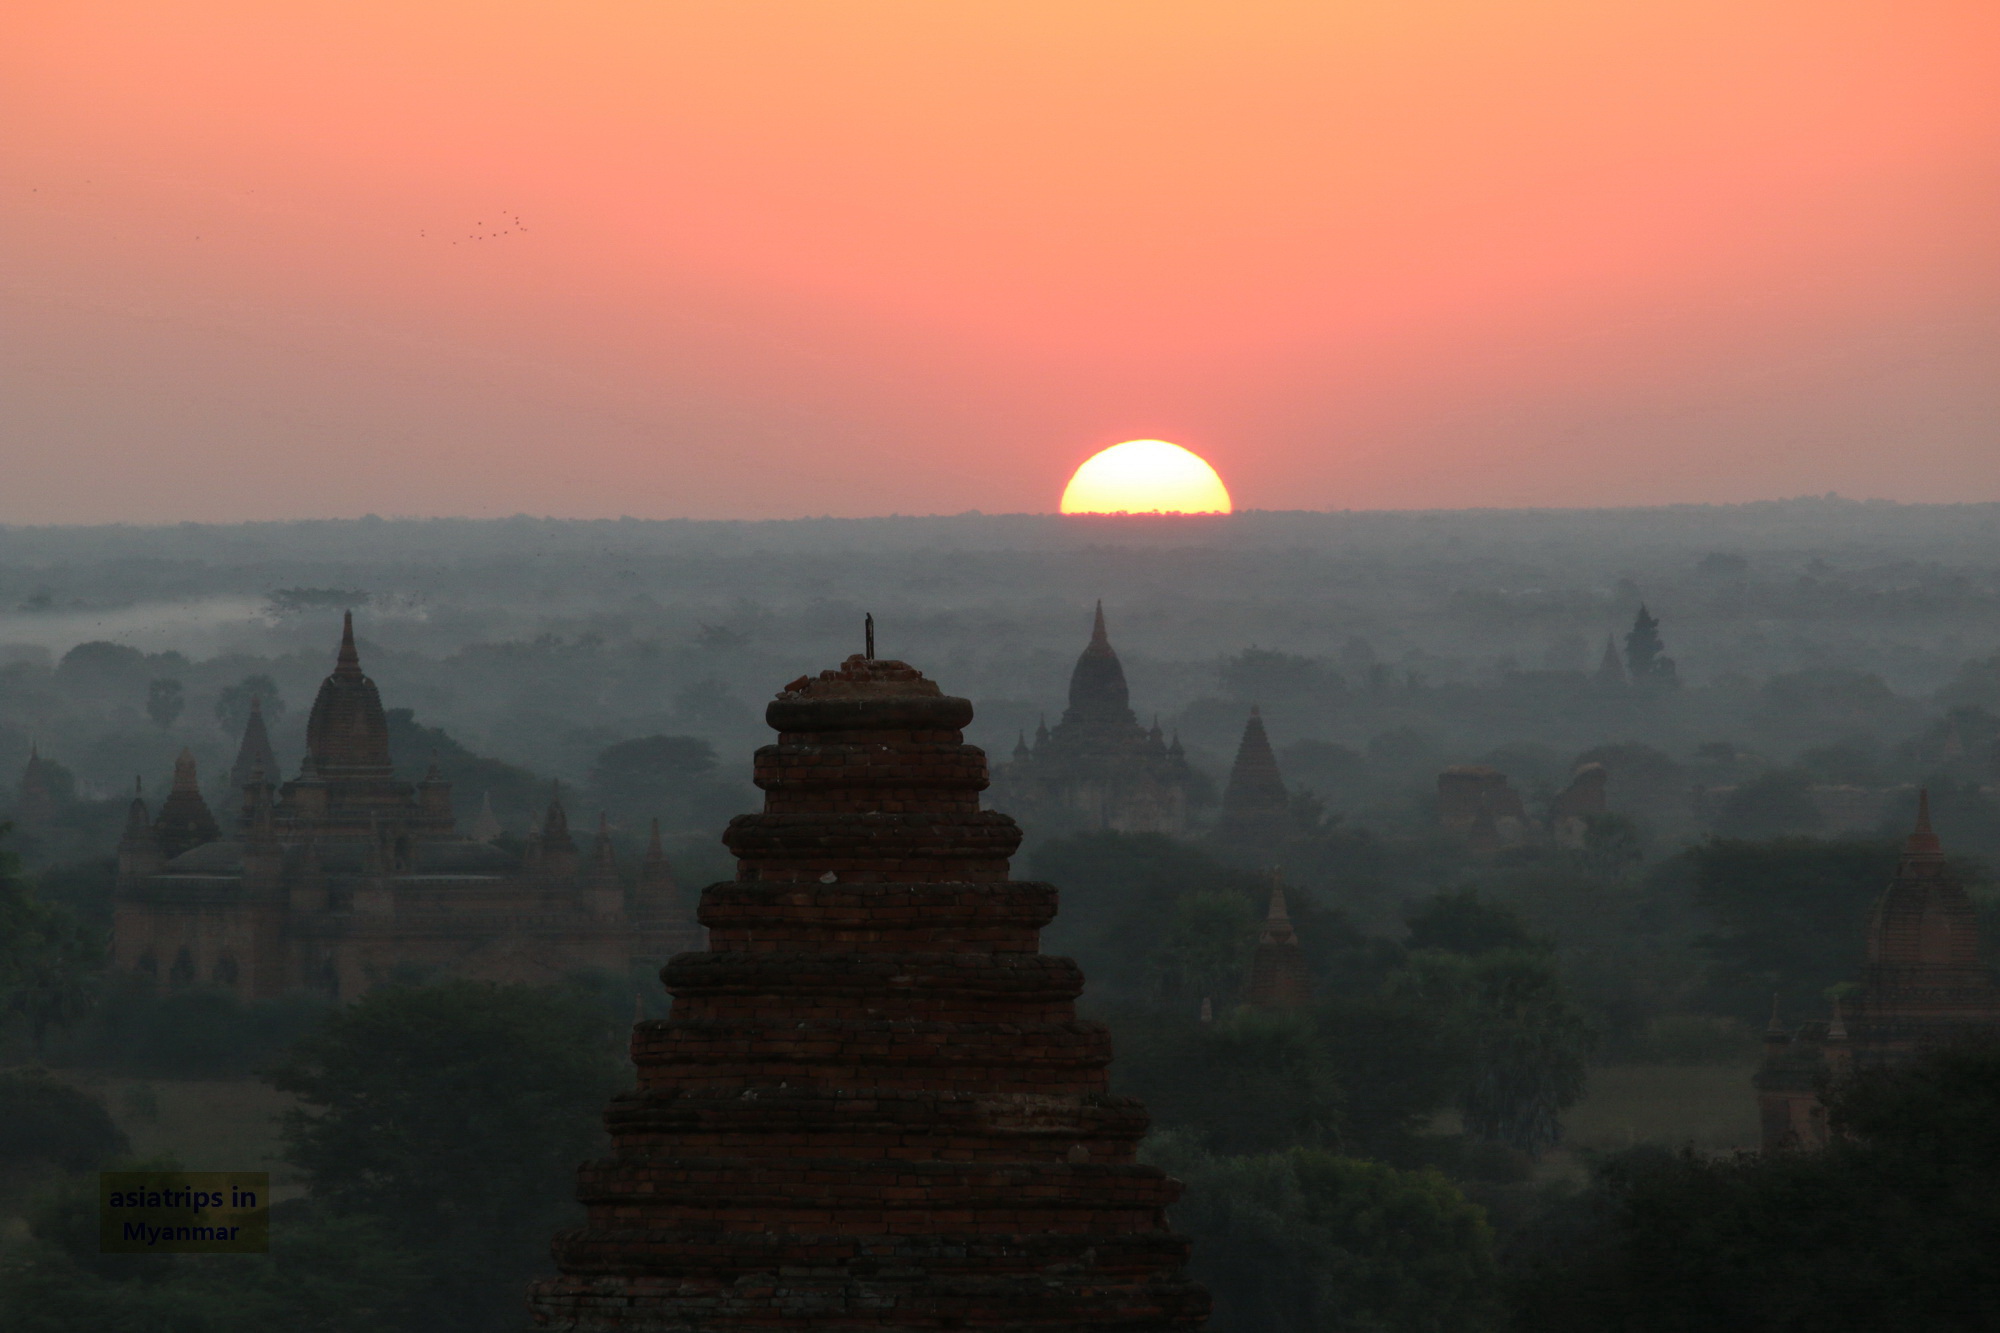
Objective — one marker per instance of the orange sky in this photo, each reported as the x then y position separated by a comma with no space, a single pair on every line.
778,259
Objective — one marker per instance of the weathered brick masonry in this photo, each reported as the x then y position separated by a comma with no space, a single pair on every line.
874,1106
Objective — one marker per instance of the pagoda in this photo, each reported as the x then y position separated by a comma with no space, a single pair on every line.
1923,985
340,878
1098,768
1279,978
1256,810
873,1106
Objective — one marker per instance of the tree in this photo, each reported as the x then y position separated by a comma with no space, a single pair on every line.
1787,915
164,702
1261,675
1398,1060
42,1120
454,1117
1893,1226
1771,805
518,795
1306,1241
1529,1043
1207,950
1464,923
1246,1082
48,958
638,779
1646,657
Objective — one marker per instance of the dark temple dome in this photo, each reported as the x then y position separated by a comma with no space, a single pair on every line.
1097,691
347,733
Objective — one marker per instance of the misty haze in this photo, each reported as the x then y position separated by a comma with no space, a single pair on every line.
999,668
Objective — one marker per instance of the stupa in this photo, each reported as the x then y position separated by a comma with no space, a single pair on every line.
873,1106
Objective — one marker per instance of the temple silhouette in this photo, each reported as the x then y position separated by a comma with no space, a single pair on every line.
1923,985
873,1106
345,875
1097,768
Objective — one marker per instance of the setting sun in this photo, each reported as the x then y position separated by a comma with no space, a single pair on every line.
1145,477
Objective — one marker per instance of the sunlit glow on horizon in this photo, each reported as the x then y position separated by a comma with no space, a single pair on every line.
1146,477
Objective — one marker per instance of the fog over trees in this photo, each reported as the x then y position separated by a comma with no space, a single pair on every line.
1522,1065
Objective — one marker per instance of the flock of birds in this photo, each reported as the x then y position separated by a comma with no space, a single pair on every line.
487,235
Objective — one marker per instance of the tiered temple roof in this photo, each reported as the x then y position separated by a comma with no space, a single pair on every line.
346,873
1256,812
1278,975
873,1106
185,820
1923,985
1098,767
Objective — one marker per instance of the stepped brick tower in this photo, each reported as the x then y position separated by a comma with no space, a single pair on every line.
873,1107
1098,768
1923,985
1256,813
1278,977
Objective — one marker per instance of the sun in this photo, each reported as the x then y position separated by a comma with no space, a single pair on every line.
1145,477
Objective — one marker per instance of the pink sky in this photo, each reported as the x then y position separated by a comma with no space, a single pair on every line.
781,259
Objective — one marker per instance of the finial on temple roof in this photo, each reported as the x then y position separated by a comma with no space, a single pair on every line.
868,630
1923,840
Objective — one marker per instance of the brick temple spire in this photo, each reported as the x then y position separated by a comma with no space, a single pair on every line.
873,1107
255,760
185,820
1098,694
347,733
1278,977
1255,809
139,848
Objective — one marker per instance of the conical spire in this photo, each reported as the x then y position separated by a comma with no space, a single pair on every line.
1611,668
555,824
138,819
347,665
1924,923
1922,840
347,733
139,847
485,825
36,804
601,873
1278,977
1277,920
255,752
1255,806
1021,750
1098,695
185,820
